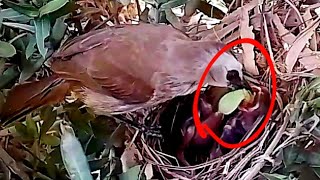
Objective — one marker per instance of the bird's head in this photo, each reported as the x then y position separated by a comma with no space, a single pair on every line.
236,81
227,71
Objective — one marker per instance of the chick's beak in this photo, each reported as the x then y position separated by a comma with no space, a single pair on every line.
236,82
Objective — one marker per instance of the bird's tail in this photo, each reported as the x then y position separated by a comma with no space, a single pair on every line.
24,98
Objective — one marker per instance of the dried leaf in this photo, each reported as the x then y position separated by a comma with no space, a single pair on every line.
148,171
171,4
225,31
275,176
286,36
12,164
130,157
248,54
309,62
293,19
299,44
124,2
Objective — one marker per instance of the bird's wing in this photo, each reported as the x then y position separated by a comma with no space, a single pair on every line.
120,62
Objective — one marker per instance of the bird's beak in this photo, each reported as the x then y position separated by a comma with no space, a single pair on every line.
235,82
240,84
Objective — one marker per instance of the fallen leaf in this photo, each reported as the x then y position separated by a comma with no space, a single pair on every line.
130,158
309,62
293,19
148,171
299,44
248,54
275,176
235,35
230,19
285,35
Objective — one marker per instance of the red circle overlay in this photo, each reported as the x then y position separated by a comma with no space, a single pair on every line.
201,128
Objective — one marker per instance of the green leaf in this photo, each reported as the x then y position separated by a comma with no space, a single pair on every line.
49,117
12,15
315,83
73,155
8,76
21,129
31,46
80,120
71,6
7,49
42,32
50,140
30,67
26,9
51,168
58,31
20,26
275,176
132,173
32,127
230,101
52,6
55,156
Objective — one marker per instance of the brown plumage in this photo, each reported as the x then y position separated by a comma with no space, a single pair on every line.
122,69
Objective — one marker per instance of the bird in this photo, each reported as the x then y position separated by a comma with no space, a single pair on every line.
121,69
191,138
243,120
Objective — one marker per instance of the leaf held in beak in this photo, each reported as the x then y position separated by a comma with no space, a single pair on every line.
231,101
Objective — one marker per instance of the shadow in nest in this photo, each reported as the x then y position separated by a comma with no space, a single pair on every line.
175,120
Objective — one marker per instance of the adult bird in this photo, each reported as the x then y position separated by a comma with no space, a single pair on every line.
122,69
